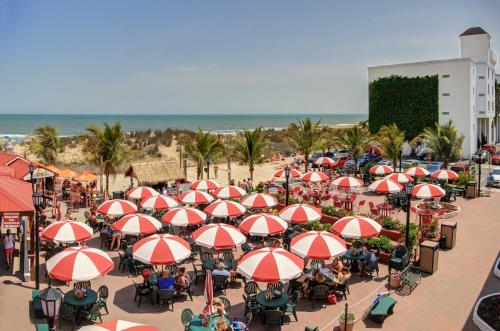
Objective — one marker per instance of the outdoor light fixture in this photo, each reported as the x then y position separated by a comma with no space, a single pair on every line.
37,203
51,298
408,189
287,177
37,200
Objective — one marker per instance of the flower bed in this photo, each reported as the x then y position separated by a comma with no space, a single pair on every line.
486,312
450,209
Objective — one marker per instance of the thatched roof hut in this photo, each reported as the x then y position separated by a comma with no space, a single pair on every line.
152,173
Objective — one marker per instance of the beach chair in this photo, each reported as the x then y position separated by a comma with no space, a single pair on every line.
382,307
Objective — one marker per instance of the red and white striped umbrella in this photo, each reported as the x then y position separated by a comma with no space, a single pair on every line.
381,170
347,182
229,192
208,293
417,171
385,186
117,207
218,236
195,198
119,325
321,245
300,213
79,264
159,202
141,192
204,184
160,249
400,178
444,175
135,224
184,216
67,232
356,227
263,225
313,177
294,173
426,191
324,161
259,200
270,265
225,208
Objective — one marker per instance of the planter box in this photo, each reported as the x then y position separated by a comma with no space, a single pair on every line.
394,235
326,219
482,325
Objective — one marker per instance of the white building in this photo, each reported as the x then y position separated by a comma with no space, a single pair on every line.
466,87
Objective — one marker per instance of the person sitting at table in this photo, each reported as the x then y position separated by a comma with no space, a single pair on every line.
166,282
337,266
369,260
117,238
221,325
218,307
183,280
220,270
319,279
342,277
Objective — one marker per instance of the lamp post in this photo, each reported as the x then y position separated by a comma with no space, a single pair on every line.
51,298
408,189
36,203
287,178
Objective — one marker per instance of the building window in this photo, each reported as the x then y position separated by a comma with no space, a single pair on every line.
446,76
481,112
481,77
446,94
445,113
481,94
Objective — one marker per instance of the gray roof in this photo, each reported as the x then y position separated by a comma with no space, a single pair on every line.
473,31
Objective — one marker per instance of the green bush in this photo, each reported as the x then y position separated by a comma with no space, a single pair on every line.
414,232
350,317
411,103
390,223
332,211
260,187
382,242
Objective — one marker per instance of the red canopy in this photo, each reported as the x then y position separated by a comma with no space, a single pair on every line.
15,196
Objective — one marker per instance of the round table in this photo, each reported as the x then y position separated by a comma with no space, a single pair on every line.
195,324
273,303
89,299
348,202
357,257
384,208
210,264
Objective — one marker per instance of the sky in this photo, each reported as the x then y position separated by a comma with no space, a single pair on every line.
228,57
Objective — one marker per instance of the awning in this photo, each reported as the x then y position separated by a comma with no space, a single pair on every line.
152,173
15,196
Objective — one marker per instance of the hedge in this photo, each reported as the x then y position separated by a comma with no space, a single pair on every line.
411,103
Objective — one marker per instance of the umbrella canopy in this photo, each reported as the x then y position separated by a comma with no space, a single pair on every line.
79,264
229,192
117,207
300,213
68,173
356,227
444,175
184,216
160,249
67,232
321,245
294,173
270,265
426,191
313,177
141,192
324,161
159,202
208,293
385,186
54,169
400,178
347,182
218,236
86,177
417,171
195,198
119,325
259,200
135,224
225,208
263,225
381,170
204,184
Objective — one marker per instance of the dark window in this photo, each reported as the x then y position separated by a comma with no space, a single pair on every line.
481,77
481,94
446,76
446,94
445,113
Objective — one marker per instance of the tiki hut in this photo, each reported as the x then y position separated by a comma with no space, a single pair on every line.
156,173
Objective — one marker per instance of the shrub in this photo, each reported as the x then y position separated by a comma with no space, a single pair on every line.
390,223
332,211
414,232
350,317
260,187
383,243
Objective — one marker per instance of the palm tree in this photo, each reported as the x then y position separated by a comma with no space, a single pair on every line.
443,141
228,152
250,149
46,144
201,147
391,139
106,149
307,136
355,139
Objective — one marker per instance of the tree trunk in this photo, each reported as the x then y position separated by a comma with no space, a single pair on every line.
107,183
251,168
306,157
228,171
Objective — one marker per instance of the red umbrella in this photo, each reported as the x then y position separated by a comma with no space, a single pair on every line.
204,184
262,225
218,236
141,192
225,208
321,245
313,177
356,227
426,191
79,264
229,192
381,170
118,325
294,173
195,198
117,207
300,213
385,186
259,200
347,182
324,161
135,224
184,216
209,293
67,232
159,202
400,178
270,265
444,175
160,249
417,171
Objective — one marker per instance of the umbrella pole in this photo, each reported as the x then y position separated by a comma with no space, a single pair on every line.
345,316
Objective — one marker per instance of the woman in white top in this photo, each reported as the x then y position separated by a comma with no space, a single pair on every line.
8,247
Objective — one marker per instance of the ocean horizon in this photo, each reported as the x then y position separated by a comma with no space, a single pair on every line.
19,125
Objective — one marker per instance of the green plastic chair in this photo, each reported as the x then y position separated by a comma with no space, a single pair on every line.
291,307
186,317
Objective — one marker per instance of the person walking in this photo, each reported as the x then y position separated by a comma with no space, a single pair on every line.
8,248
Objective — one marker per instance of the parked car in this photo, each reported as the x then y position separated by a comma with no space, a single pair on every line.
313,158
340,161
495,159
367,158
494,178
492,149
434,166
342,153
385,163
480,156
460,167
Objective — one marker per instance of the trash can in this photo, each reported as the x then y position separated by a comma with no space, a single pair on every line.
429,256
442,242
470,190
449,230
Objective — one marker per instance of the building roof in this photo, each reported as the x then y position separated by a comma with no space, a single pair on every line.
155,172
15,195
474,31
429,62
19,164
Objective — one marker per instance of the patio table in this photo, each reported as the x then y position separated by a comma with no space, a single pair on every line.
348,202
355,258
210,264
272,303
89,299
384,208
195,324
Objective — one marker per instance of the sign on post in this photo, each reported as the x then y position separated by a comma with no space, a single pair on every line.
11,220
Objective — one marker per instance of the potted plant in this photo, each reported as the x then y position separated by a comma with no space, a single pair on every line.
351,319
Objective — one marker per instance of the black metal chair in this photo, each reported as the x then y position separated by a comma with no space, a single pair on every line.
103,293
246,248
186,317
273,317
247,319
319,293
399,258
220,282
251,305
316,264
251,289
82,285
228,255
142,291
369,268
227,304
124,261
197,273
343,289
166,296
172,268
90,315
205,256
67,313
291,306
278,286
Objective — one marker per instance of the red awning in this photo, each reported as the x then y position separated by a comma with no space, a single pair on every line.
15,196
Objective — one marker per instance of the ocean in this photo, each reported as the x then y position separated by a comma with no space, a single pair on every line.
18,125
